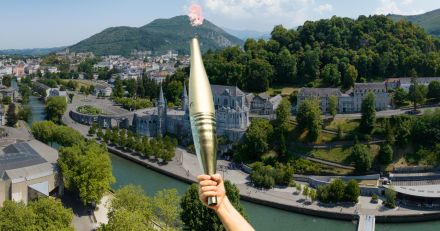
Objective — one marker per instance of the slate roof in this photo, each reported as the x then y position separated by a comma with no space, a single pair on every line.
263,95
44,86
249,98
320,92
420,80
367,87
100,87
233,90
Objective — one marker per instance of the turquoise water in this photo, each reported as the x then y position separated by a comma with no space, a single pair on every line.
261,217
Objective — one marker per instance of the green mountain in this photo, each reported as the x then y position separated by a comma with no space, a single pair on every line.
430,21
34,51
161,34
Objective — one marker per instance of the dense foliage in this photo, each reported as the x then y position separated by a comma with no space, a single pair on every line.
264,176
338,191
55,108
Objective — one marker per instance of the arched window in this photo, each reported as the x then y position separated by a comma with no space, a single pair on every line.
233,103
218,102
226,102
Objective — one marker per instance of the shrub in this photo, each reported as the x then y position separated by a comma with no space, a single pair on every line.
375,197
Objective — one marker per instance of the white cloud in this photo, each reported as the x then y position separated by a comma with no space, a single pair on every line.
264,13
387,7
407,2
323,7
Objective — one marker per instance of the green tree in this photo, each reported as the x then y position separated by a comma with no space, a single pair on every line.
7,80
131,87
108,134
388,131
286,70
293,97
6,99
260,74
352,190
331,75
46,219
362,158
122,140
44,131
386,153
283,114
350,76
55,108
71,95
391,194
355,141
337,189
400,95
258,137
16,216
166,206
333,103
414,91
12,116
298,188
92,130
404,133
303,110
434,89
100,134
312,194
314,121
139,147
87,169
282,148
130,143
148,151
305,191
196,216
368,111
26,113
174,91
341,131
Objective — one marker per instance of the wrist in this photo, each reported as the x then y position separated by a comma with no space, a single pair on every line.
222,207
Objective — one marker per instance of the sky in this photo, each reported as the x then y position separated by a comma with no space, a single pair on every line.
49,23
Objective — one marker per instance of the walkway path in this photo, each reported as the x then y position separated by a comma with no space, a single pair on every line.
287,196
322,161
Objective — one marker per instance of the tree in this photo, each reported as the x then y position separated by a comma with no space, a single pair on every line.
314,121
362,158
355,141
47,219
67,136
388,132
55,108
434,89
12,116
341,131
26,113
386,153
298,188
331,75
139,147
99,95
286,70
122,140
16,216
293,97
166,206
333,103
312,194
71,95
131,87
305,191
283,114
337,189
368,111
87,169
44,131
400,95
391,194
282,148
108,134
404,133
7,80
352,190
196,216
63,88
303,110
414,91
100,134
130,143
174,91
260,73
350,76
258,137
148,151
92,130
6,99
129,209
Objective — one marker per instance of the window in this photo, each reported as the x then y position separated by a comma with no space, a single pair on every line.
233,103
226,102
218,102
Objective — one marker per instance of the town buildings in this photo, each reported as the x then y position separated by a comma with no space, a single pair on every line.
264,104
104,90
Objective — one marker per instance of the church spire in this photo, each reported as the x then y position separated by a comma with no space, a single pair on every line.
184,94
161,95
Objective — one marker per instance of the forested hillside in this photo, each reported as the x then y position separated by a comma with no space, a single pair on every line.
161,34
34,51
430,21
328,52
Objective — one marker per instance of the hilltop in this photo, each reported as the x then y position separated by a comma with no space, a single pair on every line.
33,51
160,34
430,21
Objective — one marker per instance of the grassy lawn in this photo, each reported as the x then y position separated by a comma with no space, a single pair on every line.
85,83
349,124
300,135
289,90
362,183
399,159
339,155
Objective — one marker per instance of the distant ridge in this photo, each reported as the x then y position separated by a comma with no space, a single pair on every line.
33,51
161,34
430,21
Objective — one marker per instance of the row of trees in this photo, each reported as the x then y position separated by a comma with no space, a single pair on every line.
130,103
264,176
338,191
159,148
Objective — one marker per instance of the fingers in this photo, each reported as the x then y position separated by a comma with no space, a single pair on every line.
205,195
209,188
217,177
203,177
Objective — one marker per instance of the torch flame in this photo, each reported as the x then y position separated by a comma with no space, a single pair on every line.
196,16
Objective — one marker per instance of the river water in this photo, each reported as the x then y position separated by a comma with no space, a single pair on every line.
261,217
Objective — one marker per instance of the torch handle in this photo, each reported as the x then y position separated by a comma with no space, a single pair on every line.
204,129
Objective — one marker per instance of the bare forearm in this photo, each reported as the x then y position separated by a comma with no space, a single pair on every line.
231,218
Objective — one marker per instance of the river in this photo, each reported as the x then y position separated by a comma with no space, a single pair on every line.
261,217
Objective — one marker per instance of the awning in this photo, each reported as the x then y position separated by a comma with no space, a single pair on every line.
42,187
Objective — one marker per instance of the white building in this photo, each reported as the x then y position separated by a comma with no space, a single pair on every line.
56,92
104,90
405,83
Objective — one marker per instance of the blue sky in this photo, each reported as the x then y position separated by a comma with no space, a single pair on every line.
50,23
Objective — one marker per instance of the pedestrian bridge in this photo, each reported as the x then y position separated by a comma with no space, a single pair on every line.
367,223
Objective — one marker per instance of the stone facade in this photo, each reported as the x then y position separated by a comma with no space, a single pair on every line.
232,116
264,104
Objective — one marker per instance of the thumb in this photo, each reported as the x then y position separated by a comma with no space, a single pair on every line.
217,177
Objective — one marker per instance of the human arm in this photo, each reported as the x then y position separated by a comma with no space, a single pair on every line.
210,186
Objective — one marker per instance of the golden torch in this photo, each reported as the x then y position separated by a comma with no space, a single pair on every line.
202,115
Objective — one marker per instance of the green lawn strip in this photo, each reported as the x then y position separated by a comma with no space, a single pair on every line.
338,155
27,125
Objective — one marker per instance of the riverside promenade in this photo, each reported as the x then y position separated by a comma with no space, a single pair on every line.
286,198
